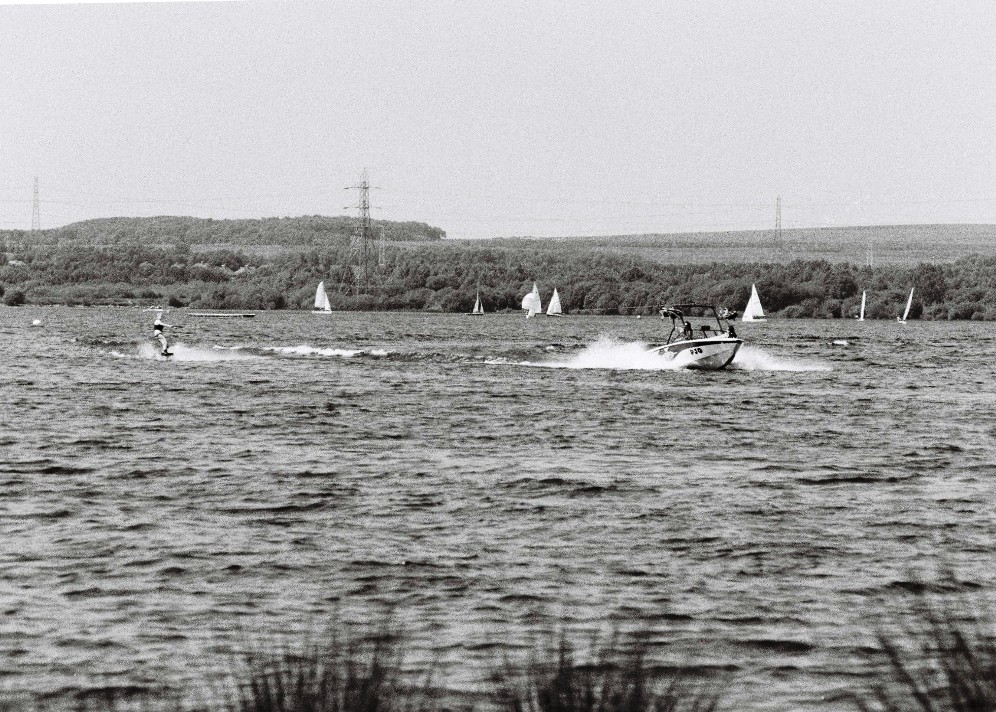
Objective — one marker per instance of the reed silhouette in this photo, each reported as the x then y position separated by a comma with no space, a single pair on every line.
618,678
935,654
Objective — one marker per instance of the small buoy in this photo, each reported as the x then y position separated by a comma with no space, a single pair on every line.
551,348
36,322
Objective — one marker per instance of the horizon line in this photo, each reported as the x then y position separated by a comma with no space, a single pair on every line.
692,231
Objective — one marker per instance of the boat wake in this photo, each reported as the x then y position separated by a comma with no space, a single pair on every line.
186,354
610,354
305,350
752,358
606,353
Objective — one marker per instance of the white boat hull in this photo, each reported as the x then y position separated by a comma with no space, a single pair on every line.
705,354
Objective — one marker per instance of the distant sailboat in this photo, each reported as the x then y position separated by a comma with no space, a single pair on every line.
478,307
554,308
532,303
753,310
861,317
909,303
322,305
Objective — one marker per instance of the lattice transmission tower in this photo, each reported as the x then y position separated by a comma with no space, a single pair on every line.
778,222
364,230
35,210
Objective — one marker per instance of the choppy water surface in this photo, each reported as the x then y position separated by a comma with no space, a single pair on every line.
486,477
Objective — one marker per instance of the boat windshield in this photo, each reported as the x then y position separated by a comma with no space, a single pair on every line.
697,321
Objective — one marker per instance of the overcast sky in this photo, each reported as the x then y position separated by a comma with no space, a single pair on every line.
503,118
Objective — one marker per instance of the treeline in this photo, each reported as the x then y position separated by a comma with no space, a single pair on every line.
307,231
446,277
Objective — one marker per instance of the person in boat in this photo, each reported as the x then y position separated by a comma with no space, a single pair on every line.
158,327
688,331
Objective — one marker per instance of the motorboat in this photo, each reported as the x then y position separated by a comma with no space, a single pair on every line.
708,347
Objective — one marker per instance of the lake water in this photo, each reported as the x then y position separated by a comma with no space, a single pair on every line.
485,477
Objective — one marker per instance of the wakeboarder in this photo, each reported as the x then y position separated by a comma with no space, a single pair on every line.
158,326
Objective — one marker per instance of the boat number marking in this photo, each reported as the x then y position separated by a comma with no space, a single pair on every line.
695,350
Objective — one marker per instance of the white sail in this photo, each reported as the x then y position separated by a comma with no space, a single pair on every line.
862,316
534,306
322,299
554,308
532,303
753,310
478,307
909,303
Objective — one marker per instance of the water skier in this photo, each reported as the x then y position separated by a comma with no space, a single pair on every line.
158,326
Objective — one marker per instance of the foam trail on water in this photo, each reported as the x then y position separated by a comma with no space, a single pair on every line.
305,350
611,354
752,358
192,353
608,353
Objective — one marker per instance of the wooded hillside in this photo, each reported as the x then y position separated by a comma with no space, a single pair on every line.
879,245
308,231
444,276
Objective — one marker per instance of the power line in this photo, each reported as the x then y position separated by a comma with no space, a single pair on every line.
35,210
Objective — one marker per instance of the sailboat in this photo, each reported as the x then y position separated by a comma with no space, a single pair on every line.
753,310
322,305
554,308
909,303
478,307
532,303
861,317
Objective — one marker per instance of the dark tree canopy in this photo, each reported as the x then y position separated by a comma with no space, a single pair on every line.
276,263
